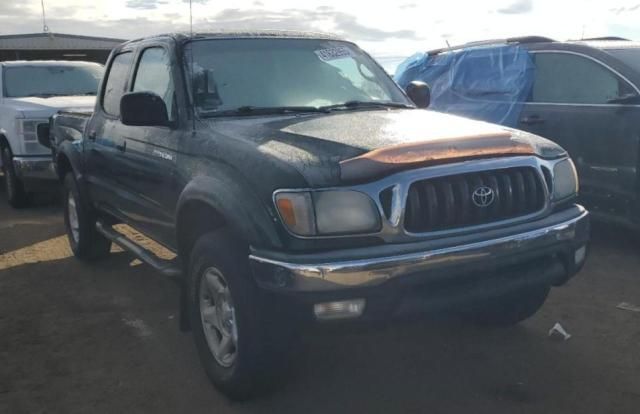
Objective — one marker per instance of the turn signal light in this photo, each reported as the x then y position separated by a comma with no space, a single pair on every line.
285,207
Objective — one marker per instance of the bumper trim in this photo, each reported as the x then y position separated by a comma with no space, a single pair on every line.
374,271
36,167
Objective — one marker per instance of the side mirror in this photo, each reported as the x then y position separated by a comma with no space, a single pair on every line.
420,93
42,133
143,109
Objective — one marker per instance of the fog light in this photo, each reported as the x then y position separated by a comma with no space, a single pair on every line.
339,310
580,254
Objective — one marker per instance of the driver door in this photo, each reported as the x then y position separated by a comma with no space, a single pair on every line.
151,152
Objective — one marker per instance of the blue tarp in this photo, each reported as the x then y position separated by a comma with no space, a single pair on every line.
486,83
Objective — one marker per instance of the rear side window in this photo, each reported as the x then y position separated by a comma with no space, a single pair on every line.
572,79
116,83
154,75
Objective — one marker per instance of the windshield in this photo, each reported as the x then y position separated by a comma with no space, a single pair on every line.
54,80
631,56
277,73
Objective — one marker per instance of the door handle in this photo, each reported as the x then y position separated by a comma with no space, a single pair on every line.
532,120
122,147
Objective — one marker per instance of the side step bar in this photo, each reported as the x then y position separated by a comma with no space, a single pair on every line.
169,268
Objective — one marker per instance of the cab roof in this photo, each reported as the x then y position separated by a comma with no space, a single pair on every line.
252,34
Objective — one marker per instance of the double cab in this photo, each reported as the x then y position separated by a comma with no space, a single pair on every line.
297,183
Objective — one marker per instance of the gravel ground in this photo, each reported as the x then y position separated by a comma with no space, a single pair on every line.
104,338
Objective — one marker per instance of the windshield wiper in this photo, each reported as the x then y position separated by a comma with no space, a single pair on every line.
249,110
364,104
43,95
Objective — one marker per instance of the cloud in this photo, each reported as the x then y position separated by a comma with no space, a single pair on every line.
343,24
517,7
623,9
144,4
14,9
408,6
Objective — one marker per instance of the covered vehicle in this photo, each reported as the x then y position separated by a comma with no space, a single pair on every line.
584,95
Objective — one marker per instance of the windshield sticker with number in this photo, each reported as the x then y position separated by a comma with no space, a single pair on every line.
333,53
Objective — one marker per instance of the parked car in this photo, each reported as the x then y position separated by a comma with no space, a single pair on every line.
32,91
309,188
584,95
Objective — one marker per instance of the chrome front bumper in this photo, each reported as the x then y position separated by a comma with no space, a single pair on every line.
40,167
566,238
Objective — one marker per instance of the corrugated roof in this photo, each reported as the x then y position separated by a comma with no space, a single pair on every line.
57,41
48,63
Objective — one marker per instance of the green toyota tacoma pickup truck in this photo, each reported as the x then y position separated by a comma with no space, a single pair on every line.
297,183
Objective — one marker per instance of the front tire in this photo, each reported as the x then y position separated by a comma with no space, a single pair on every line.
510,309
239,337
16,194
80,223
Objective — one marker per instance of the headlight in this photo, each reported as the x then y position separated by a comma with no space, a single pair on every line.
565,180
28,128
330,212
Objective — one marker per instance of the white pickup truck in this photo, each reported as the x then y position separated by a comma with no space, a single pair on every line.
32,91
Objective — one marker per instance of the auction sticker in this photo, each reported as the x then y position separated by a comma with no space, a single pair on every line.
333,53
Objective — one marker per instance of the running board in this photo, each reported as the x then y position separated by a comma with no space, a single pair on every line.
169,268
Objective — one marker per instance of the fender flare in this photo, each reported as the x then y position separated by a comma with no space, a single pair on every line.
3,138
72,153
4,142
235,201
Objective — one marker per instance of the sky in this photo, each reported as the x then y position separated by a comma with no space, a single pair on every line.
389,30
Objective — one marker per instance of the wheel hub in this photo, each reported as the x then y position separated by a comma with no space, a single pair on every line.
218,317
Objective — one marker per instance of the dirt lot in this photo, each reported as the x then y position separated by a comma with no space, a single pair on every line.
103,338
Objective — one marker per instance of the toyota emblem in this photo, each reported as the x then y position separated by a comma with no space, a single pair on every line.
483,196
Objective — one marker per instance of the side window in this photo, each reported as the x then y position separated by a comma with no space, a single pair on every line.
154,75
572,79
116,83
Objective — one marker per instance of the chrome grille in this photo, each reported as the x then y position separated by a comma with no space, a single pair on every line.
445,203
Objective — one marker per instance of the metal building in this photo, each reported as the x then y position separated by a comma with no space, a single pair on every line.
58,46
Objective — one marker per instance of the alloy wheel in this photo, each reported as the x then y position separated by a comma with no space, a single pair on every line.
72,216
217,314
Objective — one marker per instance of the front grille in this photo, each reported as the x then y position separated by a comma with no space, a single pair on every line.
449,202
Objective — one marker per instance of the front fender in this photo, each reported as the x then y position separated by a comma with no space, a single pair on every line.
240,207
71,152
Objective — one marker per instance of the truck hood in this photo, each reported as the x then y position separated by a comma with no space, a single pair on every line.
33,107
362,145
